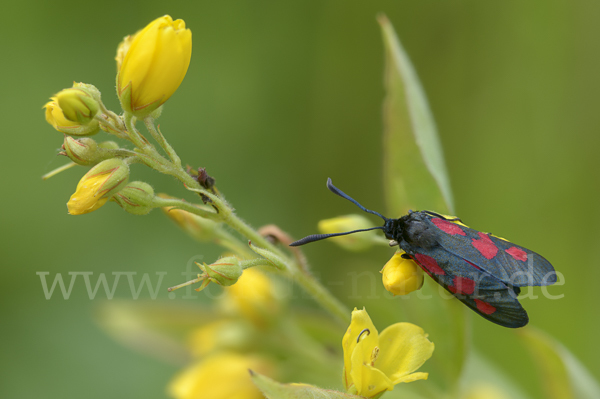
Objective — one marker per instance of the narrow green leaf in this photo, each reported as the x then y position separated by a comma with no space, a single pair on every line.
275,390
415,175
562,374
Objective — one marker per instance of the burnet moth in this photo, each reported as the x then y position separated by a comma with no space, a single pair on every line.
481,270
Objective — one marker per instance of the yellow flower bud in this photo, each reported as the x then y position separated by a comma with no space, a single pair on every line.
223,375
82,151
401,276
153,64
85,151
352,242
136,198
98,185
58,120
77,105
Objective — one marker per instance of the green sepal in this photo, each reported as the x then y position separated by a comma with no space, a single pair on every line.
87,152
226,271
136,198
125,97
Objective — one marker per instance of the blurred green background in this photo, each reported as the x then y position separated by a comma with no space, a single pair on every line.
279,96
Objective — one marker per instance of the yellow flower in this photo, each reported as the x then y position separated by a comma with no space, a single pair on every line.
352,242
401,276
153,65
220,376
374,363
98,185
254,296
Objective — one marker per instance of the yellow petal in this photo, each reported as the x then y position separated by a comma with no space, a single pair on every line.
56,117
404,348
368,381
362,325
411,377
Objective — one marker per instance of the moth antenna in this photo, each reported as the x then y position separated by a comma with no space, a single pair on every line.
318,237
342,194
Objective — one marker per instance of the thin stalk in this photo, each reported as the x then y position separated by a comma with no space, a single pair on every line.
58,170
162,141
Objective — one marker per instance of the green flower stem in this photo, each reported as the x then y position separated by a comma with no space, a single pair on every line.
112,118
138,139
112,128
307,282
225,214
304,279
160,139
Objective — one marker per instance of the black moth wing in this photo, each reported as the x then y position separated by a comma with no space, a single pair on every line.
480,291
507,262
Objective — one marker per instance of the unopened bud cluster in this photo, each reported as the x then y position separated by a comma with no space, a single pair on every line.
151,65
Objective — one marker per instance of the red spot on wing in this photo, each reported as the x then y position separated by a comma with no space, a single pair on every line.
462,285
429,264
517,253
485,246
448,227
484,307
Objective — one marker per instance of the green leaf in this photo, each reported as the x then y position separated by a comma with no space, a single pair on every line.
562,374
415,175
275,390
